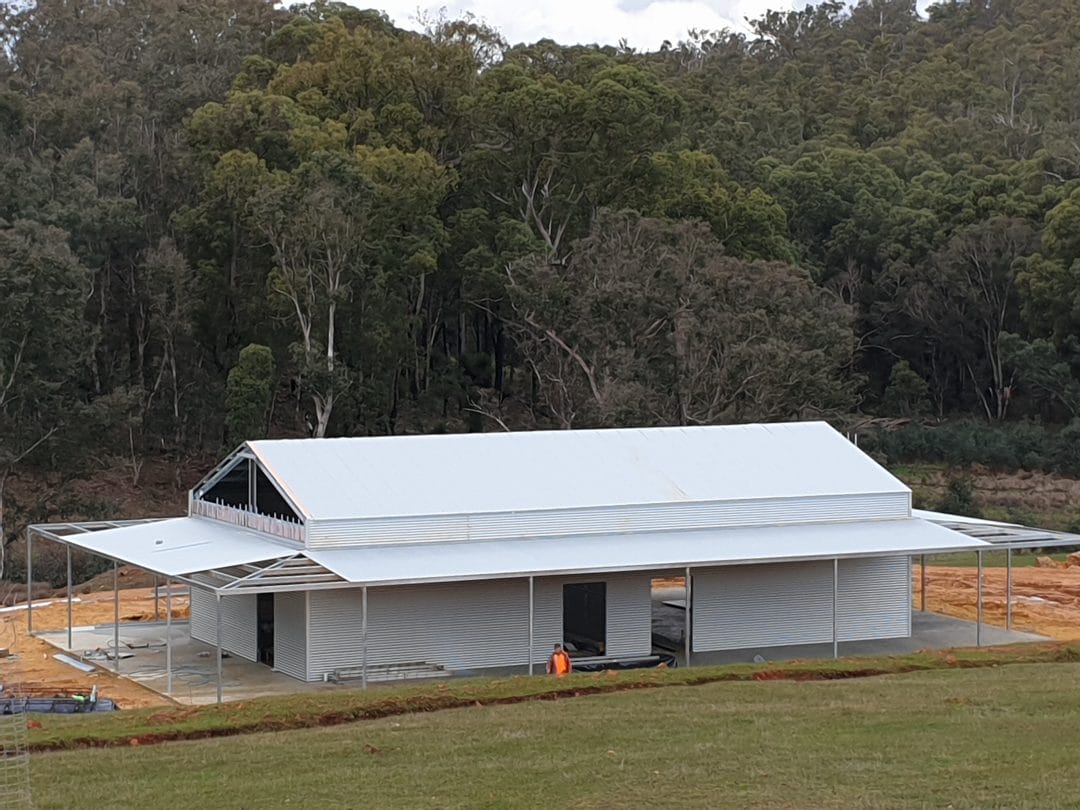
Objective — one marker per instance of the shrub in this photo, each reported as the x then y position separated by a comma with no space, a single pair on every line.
959,499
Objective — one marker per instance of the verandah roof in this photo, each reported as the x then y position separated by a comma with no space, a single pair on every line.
231,559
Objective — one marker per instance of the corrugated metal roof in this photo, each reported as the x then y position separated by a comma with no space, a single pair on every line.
388,476
179,546
443,562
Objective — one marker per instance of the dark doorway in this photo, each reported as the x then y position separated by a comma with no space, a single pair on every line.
585,618
264,639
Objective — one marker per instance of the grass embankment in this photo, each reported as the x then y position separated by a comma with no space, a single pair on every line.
989,737
148,726
991,559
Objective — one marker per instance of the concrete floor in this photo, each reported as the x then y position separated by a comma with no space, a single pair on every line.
195,674
929,631
194,665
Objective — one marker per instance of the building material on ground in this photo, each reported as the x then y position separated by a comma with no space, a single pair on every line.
389,672
74,662
604,664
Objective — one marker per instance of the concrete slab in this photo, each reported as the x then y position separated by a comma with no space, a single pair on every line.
929,631
194,664
195,671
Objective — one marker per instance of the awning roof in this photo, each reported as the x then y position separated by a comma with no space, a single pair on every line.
231,559
1001,535
446,562
174,546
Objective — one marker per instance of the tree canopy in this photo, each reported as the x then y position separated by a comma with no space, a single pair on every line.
852,209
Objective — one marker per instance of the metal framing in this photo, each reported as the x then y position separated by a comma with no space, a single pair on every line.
1008,589
532,622
688,614
835,600
240,454
291,572
978,599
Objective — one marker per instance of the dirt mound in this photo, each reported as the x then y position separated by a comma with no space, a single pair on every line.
128,577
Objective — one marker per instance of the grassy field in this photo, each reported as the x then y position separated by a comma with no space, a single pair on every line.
320,709
996,736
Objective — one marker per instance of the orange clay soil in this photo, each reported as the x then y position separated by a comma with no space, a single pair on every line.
34,667
1045,600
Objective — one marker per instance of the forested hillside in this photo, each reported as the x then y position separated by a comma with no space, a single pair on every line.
220,219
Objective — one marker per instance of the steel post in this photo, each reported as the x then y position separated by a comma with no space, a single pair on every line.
155,597
217,638
835,594
922,579
688,617
530,625
363,638
168,635
978,597
1008,589
29,582
69,595
116,614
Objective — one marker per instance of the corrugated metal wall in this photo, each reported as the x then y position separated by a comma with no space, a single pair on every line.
467,625
239,621
745,606
290,634
549,523
874,598
629,614
459,626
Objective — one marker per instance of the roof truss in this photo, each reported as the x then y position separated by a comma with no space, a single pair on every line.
292,572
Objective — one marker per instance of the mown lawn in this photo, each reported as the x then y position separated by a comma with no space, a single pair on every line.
962,738
318,709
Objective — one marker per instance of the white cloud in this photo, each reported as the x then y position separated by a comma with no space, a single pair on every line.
644,24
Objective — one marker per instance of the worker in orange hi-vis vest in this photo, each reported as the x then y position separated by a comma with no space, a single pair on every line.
559,663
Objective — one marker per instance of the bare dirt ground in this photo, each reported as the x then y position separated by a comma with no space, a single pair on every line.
33,665
1045,600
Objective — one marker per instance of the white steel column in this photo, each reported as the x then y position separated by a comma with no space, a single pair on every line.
530,625
922,575
1008,589
29,582
688,616
217,638
69,595
116,613
363,639
156,615
168,635
978,598
835,592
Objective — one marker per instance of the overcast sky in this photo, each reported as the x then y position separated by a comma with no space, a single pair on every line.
643,23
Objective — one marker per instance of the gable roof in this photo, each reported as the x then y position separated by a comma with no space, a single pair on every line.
389,476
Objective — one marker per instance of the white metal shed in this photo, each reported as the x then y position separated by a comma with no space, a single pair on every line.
470,552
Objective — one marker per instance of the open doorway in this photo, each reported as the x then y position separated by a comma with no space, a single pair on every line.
668,614
264,638
585,618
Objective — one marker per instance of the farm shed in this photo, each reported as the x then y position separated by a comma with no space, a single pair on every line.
478,552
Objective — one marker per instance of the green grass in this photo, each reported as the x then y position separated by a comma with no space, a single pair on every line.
995,736
991,559
346,706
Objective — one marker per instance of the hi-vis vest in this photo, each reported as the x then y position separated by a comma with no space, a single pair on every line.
561,663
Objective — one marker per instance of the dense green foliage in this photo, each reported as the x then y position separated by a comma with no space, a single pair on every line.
849,210
248,394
